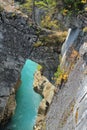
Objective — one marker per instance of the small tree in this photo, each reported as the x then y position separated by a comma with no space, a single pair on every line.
48,5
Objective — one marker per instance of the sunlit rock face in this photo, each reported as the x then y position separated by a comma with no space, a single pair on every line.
80,108
69,106
47,91
43,87
72,44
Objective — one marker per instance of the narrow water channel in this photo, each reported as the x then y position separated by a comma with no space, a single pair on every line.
27,100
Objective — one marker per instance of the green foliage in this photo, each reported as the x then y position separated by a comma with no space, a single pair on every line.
49,23
55,39
39,67
40,4
60,75
58,72
46,4
73,6
49,6
27,6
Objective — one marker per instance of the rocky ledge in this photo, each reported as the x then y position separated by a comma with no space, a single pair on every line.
47,91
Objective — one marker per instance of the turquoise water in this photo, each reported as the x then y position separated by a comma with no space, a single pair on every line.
27,100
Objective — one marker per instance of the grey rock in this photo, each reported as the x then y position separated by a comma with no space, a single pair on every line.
4,91
69,106
16,45
1,36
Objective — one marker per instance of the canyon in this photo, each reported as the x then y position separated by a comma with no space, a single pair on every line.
64,106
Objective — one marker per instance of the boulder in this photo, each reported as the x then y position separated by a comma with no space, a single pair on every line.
43,87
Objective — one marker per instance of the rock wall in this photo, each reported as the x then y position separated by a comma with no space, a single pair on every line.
17,37
12,57
69,106
71,18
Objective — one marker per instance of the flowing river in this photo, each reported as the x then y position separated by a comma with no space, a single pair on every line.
27,100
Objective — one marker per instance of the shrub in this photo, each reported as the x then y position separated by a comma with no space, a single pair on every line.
73,6
60,76
27,7
49,23
55,39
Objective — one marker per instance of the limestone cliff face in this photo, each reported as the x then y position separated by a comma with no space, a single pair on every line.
72,19
69,107
67,110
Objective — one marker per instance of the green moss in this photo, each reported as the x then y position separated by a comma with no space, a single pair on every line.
60,75
73,7
39,67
